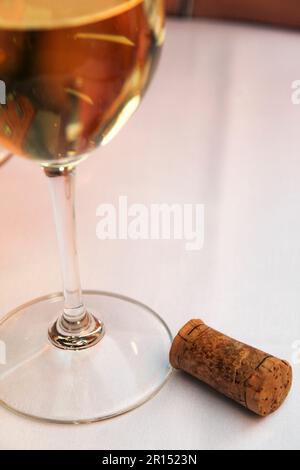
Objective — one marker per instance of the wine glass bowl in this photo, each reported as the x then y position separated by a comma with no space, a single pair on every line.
75,72
73,82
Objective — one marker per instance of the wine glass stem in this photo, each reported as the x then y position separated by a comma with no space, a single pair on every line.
62,187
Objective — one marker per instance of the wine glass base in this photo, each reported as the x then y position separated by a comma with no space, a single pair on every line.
125,369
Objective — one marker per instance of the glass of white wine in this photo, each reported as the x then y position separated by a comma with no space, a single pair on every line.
75,71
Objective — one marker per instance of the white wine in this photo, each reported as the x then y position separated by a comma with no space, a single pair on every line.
75,71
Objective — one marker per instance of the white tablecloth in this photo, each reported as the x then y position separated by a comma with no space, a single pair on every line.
217,127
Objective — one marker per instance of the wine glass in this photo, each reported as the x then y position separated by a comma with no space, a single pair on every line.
75,71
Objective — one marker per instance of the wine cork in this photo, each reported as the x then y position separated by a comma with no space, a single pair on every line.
252,378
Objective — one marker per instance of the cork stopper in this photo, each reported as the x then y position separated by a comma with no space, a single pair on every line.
254,379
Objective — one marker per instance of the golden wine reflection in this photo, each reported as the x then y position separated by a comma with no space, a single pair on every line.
122,119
